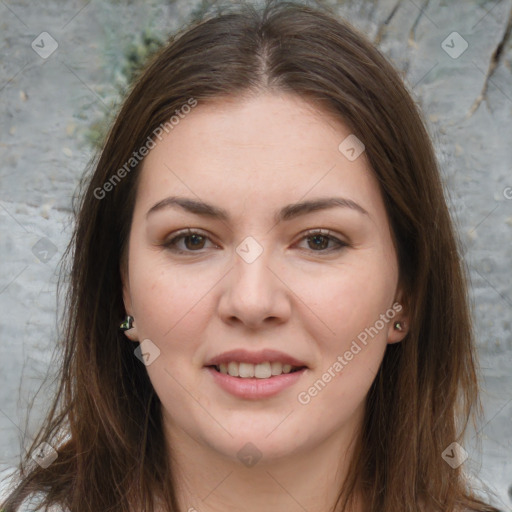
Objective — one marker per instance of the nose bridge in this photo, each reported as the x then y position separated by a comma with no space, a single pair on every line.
251,277
254,292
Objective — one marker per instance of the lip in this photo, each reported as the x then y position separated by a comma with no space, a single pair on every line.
262,356
254,388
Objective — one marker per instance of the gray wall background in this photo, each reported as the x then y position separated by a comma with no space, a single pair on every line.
456,60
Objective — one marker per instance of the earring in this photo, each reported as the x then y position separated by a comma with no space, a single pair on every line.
398,326
127,323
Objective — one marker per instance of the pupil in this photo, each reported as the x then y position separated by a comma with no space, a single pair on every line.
195,237
316,237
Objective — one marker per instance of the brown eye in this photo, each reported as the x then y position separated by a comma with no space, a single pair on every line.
196,241
193,242
318,241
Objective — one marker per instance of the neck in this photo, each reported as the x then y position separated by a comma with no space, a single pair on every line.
308,479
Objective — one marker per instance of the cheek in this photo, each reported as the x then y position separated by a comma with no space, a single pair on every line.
351,336
352,348
351,296
165,297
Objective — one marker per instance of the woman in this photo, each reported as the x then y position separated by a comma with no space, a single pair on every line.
315,353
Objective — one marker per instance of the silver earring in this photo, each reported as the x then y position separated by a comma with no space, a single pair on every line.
127,323
398,326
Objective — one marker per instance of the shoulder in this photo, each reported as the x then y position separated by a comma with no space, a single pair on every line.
8,483
33,501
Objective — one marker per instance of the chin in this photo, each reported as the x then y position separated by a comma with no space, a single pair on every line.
253,446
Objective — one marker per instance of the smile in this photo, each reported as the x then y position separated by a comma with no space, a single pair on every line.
260,371
255,388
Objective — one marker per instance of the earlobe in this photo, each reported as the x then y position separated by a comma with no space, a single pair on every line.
397,331
399,325
131,335
129,328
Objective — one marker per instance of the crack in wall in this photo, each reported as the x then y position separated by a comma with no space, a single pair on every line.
412,32
383,26
495,60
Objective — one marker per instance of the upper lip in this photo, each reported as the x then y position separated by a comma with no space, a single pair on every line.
244,356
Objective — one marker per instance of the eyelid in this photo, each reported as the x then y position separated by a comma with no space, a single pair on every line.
171,241
328,234
182,233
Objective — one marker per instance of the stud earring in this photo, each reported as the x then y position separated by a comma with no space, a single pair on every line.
127,323
398,326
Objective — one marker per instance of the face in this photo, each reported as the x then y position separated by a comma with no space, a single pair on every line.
255,274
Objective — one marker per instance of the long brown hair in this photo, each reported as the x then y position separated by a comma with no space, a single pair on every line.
426,389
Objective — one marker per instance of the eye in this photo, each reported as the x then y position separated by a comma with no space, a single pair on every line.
193,240
319,239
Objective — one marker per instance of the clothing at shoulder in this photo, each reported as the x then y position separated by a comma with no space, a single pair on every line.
34,500
29,504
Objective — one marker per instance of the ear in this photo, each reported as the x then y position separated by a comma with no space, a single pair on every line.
395,335
132,333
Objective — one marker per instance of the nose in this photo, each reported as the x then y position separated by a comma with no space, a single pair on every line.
254,293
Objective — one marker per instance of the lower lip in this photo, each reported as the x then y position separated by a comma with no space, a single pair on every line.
254,388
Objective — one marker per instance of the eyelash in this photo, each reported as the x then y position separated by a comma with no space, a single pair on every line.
171,244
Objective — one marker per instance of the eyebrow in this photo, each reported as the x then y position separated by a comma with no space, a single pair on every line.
286,213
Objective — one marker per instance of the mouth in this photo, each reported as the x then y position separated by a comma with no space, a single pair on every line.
255,383
266,370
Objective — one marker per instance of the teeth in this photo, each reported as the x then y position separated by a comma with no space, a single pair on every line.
262,370
233,369
248,370
276,368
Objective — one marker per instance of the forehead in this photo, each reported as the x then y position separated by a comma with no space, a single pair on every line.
265,147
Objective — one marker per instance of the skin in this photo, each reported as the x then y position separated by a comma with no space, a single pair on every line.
252,156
